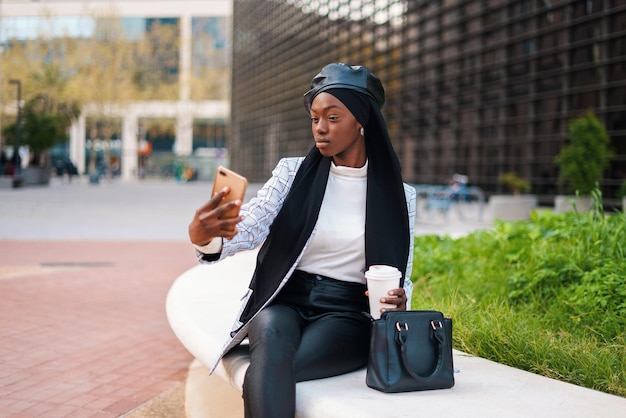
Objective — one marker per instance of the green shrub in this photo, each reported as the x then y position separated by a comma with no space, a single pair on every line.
514,183
546,295
582,161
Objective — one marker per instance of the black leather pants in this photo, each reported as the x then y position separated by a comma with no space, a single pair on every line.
314,329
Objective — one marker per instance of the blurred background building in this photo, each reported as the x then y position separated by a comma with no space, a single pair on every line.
152,79
479,87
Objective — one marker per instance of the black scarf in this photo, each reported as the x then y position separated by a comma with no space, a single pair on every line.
386,215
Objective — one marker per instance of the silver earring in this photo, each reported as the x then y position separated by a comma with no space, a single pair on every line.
362,131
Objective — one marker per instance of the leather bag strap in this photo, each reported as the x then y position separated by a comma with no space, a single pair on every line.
438,339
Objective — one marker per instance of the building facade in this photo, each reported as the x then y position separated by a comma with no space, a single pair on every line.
478,87
162,93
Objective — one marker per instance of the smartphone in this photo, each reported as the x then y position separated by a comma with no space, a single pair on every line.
235,182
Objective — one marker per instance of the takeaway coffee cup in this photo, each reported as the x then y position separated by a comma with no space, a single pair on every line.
380,280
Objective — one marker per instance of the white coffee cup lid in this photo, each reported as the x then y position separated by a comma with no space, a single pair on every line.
380,270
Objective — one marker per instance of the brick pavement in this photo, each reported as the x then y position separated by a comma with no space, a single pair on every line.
83,329
84,273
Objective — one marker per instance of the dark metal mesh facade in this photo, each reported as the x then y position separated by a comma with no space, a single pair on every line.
479,87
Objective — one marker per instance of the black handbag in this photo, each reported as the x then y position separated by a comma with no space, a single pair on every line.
410,351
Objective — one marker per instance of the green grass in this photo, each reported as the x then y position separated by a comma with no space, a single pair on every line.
547,295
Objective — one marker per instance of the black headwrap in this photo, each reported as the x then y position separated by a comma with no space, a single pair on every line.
358,104
386,219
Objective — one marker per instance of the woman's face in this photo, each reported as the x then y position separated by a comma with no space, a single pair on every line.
336,131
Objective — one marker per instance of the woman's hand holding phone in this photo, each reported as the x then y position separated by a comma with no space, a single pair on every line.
236,185
220,215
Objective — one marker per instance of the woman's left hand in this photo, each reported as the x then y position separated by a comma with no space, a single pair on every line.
396,297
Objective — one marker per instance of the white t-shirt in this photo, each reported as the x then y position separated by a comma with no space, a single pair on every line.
337,249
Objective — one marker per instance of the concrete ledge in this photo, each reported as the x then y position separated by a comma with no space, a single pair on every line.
511,207
9,182
204,300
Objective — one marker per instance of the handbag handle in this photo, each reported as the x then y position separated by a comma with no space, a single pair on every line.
439,336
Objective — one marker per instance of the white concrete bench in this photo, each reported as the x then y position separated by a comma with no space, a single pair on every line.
203,301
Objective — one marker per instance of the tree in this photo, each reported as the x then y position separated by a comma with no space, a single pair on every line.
582,161
40,130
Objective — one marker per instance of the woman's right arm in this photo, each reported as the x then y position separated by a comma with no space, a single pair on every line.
259,213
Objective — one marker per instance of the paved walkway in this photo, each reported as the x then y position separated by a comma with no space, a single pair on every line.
83,329
84,272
